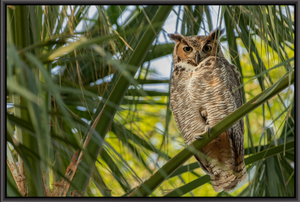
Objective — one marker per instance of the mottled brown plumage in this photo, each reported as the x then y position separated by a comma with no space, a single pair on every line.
202,94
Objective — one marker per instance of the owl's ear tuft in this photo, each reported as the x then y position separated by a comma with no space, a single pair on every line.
216,34
175,37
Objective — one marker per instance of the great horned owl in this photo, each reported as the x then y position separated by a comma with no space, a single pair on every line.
203,92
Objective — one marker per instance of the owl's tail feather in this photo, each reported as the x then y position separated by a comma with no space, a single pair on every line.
222,181
240,174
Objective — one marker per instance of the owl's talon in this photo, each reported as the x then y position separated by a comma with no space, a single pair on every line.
199,137
207,129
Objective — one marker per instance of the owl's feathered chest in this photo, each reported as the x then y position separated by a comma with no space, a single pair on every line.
182,83
186,83
210,86
184,104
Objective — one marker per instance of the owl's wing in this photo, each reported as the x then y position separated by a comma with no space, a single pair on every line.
217,83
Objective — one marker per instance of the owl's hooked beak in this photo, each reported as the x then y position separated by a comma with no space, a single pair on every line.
197,59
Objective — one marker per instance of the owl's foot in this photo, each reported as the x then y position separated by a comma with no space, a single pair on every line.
199,136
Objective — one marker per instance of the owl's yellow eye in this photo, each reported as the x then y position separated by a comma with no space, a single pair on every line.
207,49
187,49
